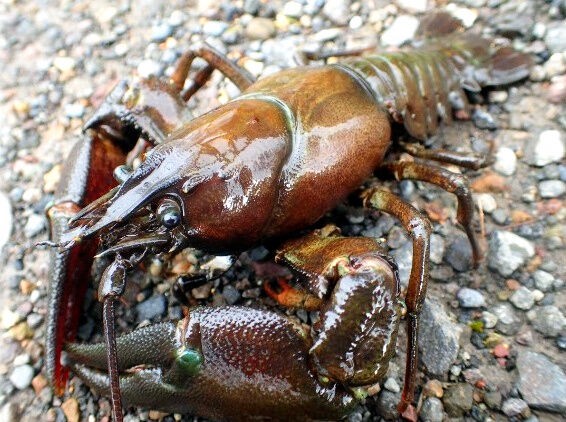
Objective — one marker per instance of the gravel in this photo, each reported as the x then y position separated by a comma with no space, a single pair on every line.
54,75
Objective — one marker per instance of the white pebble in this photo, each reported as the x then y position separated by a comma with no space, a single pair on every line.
6,219
293,9
414,6
392,385
551,188
148,68
505,161
356,22
467,16
401,30
487,202
549,148
21,376
34,225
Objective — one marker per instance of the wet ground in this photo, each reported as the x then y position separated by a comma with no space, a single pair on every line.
484,330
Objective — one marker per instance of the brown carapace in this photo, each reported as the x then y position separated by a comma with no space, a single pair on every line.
262,167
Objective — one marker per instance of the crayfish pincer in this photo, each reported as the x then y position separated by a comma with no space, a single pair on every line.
262,167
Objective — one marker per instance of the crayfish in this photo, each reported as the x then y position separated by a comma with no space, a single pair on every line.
262,168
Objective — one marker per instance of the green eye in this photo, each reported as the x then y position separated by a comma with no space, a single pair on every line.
169,213
190,361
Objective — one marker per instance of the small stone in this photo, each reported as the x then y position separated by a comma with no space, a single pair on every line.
484,120
500,216
492,399
161,32
555,37
439,338
401,30
551,188
21,376
254,67
413,6
34,225
433,388
392,385
549,321
505,161
432,410
542,384
508,322
470,298
486,202
9,412
293,9
337,11
74,110
231,294
214,28
64,64
151,308
458,399
548,149
70,408
516,408
39,382
147,68
6,218
489,319
543,280
437,246
522,299
498,97
459,254
260,29
466,15
387,405
508,252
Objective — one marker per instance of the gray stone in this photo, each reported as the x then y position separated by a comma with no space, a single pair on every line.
387,405
151,308
34,225
432,410
470,298
508,322
551,188
484,119
555,37
6,218
161,32
505,161
513,407
508,252
458,399
401,30
492,399
542,384
231,294
489,319
392,385
459,254
549,321
549,148
437,246
214,28
404,258
543,280
21,376
522,298
439,338
337,11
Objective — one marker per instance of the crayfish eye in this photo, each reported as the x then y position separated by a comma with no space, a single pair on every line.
169,213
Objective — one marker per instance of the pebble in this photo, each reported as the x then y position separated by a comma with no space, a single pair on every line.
337,11
492,399
414,6
487,202
542,383
71,410
484,120
543,280
214,28
522,298
293,9
505,161
392,385
161,32
7,219
74,110
151,308
401,30
260,29
148,67
439,338
458,399
21,376
551,188
437,246
459,254
514,408
489,319
548,320
9,412
432,410
470,298
508,322
64,64
404,258
549,148
34,225
466,15
231,294
508,252
387,405
555,37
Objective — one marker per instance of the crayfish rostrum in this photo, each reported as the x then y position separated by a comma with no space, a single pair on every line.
262,168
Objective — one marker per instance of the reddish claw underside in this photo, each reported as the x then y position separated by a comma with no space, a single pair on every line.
265,165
